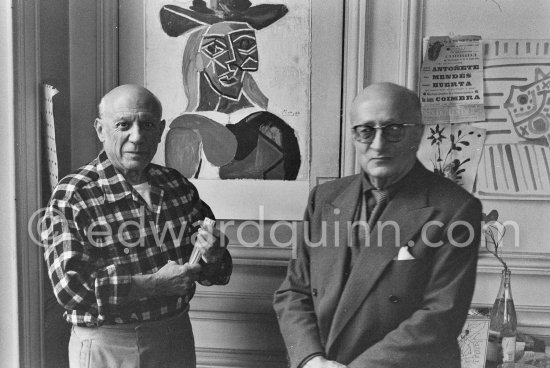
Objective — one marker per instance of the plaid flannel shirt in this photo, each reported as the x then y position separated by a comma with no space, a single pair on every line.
98,232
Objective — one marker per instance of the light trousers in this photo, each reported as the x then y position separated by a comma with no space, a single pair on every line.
167,343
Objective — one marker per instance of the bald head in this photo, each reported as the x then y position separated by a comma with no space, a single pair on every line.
403,102
386,121
131,96
130,128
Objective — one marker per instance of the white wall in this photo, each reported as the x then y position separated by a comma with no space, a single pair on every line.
9,344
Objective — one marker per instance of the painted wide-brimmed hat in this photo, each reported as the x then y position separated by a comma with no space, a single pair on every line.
176,20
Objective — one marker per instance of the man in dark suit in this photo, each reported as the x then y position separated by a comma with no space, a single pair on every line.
385,272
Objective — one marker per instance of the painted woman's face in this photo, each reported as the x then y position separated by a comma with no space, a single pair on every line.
228,51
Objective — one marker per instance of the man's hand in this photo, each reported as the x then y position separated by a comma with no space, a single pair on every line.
171,279
175,279
320,362
209,244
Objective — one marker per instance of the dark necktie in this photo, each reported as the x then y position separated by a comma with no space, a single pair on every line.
381,198
374,210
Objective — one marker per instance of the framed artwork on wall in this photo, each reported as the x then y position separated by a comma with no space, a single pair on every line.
234,80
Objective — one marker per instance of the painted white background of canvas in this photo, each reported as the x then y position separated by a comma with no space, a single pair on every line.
283,76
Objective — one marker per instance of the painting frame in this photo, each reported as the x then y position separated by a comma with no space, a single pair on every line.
239,198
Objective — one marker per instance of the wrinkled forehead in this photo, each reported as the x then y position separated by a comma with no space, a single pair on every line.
133,104
381,104
225,28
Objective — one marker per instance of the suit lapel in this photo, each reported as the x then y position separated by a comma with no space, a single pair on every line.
335,217
408,210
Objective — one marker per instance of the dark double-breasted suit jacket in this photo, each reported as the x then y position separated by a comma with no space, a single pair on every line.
386,312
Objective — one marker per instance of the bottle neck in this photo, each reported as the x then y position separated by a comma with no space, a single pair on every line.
506,293
505,285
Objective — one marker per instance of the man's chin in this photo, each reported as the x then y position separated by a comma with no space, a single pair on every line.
135,165
137,157
379,172
379,167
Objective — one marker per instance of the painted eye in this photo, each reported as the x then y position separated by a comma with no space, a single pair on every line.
214,48
245,44
523,99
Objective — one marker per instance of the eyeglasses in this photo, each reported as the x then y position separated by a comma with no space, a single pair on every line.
391,132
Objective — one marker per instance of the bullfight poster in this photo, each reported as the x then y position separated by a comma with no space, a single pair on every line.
451,80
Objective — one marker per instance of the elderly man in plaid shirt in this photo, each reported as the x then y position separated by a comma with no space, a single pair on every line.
118,235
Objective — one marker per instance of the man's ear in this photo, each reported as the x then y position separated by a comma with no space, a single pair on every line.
161,128
100,130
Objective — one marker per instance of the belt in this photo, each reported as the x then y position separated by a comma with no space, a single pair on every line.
165,320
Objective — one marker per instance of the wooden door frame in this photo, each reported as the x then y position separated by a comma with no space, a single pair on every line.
27,79
28,189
